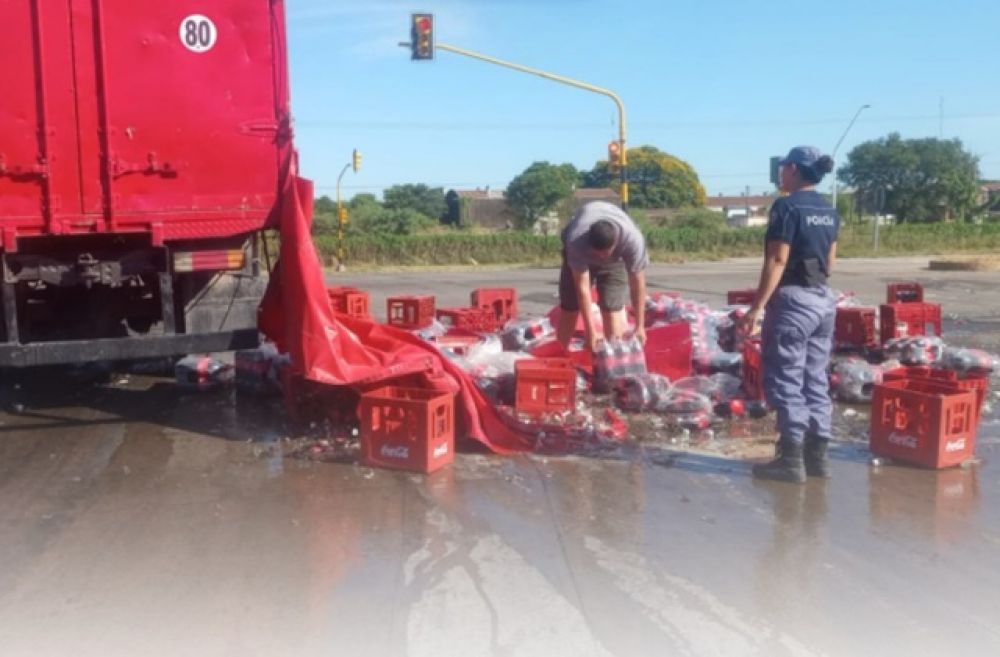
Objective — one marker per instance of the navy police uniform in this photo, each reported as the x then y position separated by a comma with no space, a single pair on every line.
797,334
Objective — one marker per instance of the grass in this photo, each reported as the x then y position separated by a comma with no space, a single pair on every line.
458,248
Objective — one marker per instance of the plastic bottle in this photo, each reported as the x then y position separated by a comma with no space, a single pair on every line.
854,380
640,393
968,361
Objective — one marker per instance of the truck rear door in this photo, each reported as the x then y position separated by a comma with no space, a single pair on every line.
39,155
187,92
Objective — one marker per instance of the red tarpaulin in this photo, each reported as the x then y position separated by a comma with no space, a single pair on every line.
340,351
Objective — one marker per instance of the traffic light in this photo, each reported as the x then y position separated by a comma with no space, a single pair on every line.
356,160
422,36
614,155
342,215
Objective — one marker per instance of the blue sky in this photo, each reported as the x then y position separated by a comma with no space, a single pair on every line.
723,84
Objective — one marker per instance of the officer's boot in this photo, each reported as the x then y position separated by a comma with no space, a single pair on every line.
815,458
787,465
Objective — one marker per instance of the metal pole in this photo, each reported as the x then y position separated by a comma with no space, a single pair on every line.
563,80
340,222
837,147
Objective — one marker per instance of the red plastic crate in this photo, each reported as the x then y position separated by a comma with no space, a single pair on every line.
741,297
855,328
904,293
978,384
500,302
923,423
753,370
349,301
545,385
469,319
458,343
903,320
407,429
410,312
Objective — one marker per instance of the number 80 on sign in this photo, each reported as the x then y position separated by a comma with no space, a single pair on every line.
198,33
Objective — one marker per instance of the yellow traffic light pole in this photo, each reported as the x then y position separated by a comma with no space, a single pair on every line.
563,80
341,221
355,164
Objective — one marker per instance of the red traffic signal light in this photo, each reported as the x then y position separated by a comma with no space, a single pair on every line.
422,36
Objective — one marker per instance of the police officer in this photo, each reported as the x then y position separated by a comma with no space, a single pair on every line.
797,333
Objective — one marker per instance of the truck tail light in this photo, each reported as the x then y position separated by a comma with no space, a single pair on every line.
188,261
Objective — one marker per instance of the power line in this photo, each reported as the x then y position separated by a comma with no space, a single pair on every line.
452,126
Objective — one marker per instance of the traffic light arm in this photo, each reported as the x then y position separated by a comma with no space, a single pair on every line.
563,80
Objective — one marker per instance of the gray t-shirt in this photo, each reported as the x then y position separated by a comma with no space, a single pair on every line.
629,247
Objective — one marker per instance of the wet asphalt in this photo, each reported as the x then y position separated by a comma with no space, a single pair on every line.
138,518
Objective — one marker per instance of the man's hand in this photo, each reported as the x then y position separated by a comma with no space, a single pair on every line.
749,321
640,334
595,343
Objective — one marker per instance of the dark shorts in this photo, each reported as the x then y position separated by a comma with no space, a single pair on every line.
611,281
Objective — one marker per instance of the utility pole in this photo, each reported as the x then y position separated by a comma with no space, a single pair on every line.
837,147
423,46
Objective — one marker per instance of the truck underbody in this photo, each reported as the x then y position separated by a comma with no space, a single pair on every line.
82,299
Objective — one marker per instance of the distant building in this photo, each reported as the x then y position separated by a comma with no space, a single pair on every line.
487,208
741,211
989,195
583,196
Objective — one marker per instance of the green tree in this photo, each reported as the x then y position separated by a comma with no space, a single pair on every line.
428,201
361,201
364,212
539,189
922,179
393,221
656,180
325,205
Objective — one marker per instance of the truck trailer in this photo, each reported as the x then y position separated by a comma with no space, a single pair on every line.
144,147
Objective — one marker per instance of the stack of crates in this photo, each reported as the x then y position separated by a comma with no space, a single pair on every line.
411,313
906,314
904,293
923,422
349,301
544,385
854,329
408,429
500,303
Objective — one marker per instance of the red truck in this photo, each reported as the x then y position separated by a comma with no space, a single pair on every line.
143,147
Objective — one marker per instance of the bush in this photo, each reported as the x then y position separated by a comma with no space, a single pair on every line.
515,247
403,221
699,219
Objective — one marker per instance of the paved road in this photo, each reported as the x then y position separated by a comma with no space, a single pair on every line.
137,519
